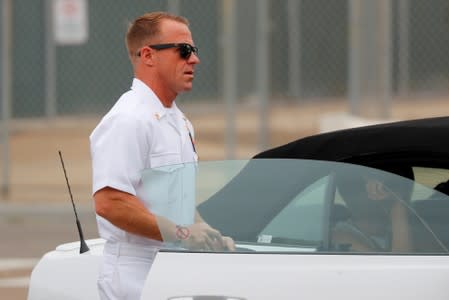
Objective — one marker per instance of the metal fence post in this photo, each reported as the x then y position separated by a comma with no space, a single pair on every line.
50,62
385,56
230,73
294,48
370,51
262,69
403,57
354,57
6,74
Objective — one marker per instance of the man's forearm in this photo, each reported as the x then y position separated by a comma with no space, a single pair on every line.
127,212
400,228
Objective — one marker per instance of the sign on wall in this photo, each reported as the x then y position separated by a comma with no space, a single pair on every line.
70,22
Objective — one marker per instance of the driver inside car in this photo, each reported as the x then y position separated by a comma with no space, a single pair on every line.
378,211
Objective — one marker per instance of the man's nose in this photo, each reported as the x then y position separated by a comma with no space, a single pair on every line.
194,59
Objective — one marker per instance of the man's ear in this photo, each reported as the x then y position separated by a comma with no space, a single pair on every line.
147,56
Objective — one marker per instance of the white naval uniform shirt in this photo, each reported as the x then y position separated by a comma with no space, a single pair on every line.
136,134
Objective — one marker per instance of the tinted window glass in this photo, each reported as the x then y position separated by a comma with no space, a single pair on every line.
302,220
432,178
303,206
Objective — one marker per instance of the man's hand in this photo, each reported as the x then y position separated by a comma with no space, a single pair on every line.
228,243
376,190
200,236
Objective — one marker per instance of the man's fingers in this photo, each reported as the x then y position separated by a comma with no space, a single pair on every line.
215,236
213,233
210,239
216,239
211,243
229,243
206,238
376,190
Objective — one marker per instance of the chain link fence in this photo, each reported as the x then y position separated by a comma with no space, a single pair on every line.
259,52
308,52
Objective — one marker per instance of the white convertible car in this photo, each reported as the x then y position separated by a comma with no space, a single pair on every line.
355,214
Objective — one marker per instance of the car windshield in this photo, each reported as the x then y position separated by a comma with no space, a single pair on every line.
292,205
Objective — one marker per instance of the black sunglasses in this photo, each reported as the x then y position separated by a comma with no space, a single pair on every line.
185,50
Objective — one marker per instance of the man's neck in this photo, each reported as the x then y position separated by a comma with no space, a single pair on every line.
166,100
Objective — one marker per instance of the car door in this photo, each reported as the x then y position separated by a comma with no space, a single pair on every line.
286,238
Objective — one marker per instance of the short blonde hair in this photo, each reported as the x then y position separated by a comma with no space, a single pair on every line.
145,28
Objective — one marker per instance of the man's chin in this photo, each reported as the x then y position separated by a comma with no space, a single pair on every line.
186,89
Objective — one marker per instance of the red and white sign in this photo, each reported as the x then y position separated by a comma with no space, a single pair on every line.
70,22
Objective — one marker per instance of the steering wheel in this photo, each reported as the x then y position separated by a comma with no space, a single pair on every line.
348,236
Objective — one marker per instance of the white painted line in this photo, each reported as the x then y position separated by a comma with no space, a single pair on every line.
7,264
15,282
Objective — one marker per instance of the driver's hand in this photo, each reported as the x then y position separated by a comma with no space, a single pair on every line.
376,190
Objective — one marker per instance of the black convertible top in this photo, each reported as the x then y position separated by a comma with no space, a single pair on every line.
426,140
262,189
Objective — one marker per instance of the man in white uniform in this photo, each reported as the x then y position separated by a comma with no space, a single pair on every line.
143,130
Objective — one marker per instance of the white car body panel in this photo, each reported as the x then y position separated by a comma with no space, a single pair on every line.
66,274
298,276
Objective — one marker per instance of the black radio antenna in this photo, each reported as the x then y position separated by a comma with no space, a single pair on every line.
83,245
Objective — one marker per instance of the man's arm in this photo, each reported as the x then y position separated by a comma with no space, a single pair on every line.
400,228
127,212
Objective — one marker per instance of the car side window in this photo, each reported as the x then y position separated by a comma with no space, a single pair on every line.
309,206
433,178
430,203
302,220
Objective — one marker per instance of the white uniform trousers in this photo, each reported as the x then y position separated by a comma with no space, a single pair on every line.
124,270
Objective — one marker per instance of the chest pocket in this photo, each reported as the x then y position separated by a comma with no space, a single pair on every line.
164,159
169,190
162,181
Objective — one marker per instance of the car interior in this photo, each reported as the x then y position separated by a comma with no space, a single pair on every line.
428,214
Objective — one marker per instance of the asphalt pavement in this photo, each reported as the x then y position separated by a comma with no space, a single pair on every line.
28,232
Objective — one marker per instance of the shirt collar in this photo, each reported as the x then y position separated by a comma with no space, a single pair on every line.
147,93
